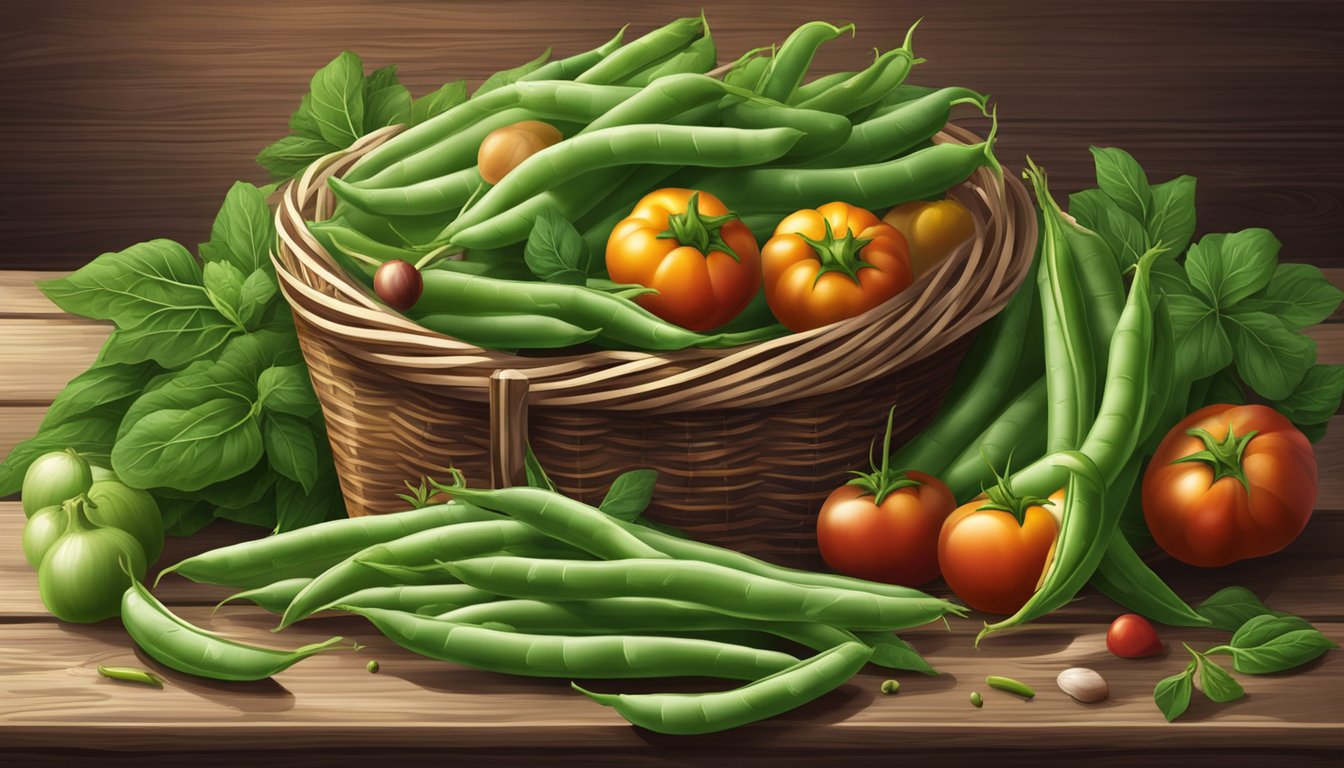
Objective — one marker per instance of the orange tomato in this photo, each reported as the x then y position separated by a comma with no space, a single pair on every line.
686,245
993,560
504,149
831,263
895,541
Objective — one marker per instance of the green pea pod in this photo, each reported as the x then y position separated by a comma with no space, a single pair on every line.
790,64
695,713
893,133
640,53
1085,529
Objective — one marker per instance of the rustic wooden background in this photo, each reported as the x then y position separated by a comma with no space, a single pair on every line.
125,121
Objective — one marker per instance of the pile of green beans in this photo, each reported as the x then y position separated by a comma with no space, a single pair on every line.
634,117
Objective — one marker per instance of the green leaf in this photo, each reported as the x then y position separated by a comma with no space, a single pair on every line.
291,154
258,290
1317,398
1088,207
247,356
510,76
435,103
1171,221
1123,180
386,100
302,122
171,339
188,449
1280,652
536,474
1172,695
126,287
184,517
1124,234
337,104
99,387
1202,346
1298,294
243,231
1261,629
1232,607
199,383
555,250
1216,683
297,508
260,513
242,490
224,286
1228,268
91,432
287,389
1270,357
290,448
630,494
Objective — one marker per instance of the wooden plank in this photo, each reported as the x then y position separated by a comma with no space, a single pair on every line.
18,423
54,697
20,297
38,357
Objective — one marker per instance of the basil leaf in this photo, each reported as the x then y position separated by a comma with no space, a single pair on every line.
258,290
287,389
1216,683
1124,234
296,508
386,100
1232,607
1259,630
224,287
1228,268
1172,695
243,231
1088,207
1270,357
102,385
92,432
184,517
302,122
1314,432
536,474
630,494
337,104
1281,653
188,449
290,155
1171,221
1123,180
260,513
126,287
247,356
555,250
435,103
290,448
171,339
510,76
1202,346
241,490
1298,294
1317,398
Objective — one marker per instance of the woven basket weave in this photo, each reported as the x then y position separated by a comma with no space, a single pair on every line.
747,441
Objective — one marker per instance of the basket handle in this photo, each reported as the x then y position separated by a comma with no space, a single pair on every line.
508,428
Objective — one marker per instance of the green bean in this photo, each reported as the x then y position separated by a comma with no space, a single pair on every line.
640,53
131,675
790,64
664,100
1009,685
441,195
897,97
749,71
1001,346
823,83
894,132
894,653
178,645
573,66
698,57
272,597
1100,277
461,540
509,331
558,516
1127,580
1017,432
923,174
608,656
1085,529
823,132
722,589
426,599
887,71
694,713
311,550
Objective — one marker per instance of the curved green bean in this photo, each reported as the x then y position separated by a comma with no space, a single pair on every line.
509,331
789,65
309,551
274,597
608,656
1017,433
722,589
823,132
573,66
871,85
898,130
640,53
426,599
698,57
693,713
1123,577
823,83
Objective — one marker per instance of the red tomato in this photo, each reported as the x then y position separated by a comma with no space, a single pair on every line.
1132,637
1228,483
894,540
992,558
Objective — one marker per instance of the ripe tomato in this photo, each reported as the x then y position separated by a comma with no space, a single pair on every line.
1227,483
1132,637
827,264
890,537
686,245
993,558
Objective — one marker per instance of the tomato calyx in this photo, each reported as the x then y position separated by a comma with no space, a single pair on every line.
1003,498
881,482
1223,456
704,233
838,255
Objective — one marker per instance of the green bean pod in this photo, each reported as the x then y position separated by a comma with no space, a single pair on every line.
274,597
1085,529
664,100
887,72
790,64
1123,577
823,83
694,713
1100,277
697,58
644,51
608,656
425,599
892,652
749,71
573,66
722,589
1016,434
823,132
309,551
441,195
509,331
179,645
893,133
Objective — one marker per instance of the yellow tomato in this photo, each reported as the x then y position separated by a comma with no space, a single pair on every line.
932,230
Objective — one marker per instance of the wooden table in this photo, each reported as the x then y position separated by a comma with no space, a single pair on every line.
54,708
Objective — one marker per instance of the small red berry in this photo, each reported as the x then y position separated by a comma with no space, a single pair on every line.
1132,637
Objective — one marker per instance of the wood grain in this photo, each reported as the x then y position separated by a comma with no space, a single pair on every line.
136,118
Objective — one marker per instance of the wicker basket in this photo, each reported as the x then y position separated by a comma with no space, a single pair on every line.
747,441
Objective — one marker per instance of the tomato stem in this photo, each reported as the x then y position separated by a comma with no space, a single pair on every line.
1223,456
881,482
838,255
1003,498
704,233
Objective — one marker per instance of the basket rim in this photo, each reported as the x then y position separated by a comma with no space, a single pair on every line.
963,291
